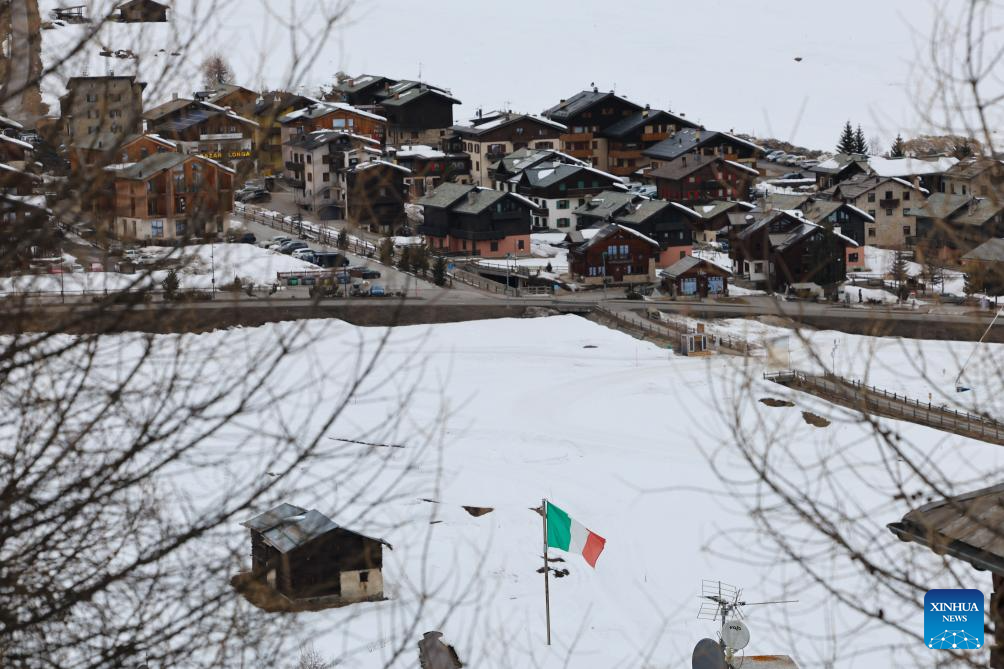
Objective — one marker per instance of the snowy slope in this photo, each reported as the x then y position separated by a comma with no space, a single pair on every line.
502,413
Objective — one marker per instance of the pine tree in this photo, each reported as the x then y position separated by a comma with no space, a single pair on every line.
439,271
419,258
387,251
170,285
860,145
897,150
342,241
973,281
846,143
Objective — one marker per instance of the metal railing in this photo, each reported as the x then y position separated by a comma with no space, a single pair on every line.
303,228
859,395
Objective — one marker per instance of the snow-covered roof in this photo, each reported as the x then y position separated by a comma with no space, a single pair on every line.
372,163
419,151
229,112
525,200
686,209
863,214
320,108
906,167
743,167
10,122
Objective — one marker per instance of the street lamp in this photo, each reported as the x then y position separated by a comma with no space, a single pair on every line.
508,257
212,264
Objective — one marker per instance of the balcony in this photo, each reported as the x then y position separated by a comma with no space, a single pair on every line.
889,204
294,166
577,137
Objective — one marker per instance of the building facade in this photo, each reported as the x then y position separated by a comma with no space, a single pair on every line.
488,139
471,220
96,111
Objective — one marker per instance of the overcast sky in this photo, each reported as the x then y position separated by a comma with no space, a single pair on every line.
725,63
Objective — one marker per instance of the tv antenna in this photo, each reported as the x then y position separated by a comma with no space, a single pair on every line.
723,603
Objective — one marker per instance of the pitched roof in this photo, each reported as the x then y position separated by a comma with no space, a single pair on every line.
970,168
941,205
412,92
687,263
10,123
502,121
367,164
356,84
524,158
611,229
637,121
152,165
680,168
546,174
318,109
840,162
309,141
17,142
580,102
991,250
287,526
966,527
860,184
163,109
717,207
686,140
444,195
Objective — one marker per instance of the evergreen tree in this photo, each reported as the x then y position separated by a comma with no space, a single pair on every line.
387,251
170,285
342,241
419,258
899,274
439,271
846,143
860,145
897,150
973,281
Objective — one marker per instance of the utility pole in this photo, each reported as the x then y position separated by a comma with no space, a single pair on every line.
547,568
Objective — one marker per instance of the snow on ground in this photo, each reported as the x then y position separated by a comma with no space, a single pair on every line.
196,270
878,263
617,432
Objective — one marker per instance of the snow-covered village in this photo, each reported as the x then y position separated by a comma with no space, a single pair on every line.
367,334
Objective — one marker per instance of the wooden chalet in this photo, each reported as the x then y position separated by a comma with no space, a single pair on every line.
692,276
205,129
712,221
27,232
15,152
14,181
840,167
366,90
428,167
949,226
317,165
967,527
698,179
707,143
586,115
471,220
304,554
506,172
836,215
614,255
172,196
489,138
557,188
628,138
980,176
317,115
417,113
668,223
375,194
142,11
780,248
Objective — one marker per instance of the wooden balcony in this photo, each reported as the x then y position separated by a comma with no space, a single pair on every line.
577,137
889,204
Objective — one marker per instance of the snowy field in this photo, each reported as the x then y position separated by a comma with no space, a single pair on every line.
619,433
197,265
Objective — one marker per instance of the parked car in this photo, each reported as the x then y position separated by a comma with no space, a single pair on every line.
130,254
376,290
274,243
247,238
303,254
291,246
147,259
330,259
369,274
253,195
793,175
808,163
774,155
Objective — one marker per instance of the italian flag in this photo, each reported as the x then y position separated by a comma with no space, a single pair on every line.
567,534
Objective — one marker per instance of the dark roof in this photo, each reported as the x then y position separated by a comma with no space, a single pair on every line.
686,263
683,166
525,158
163,109
580,102
625,208
979,211
130,3
287,526
363,81
860,184
311,140
970,168
502,121
611,229
405,92
967,527
688,139
444,195
941,205
991,250
151,165
637,121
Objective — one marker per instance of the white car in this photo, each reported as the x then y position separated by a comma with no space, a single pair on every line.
303,254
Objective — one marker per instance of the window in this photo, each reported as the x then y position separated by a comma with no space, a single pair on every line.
364,577
326,176
888,212
906,195
906,211
888,195
852,257
520,244
562,204
871,197
906,230
683,254
309,158
562,187
871,232
564,222
156,228
494,246
179,228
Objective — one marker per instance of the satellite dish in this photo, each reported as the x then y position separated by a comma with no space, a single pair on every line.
708,655
735,634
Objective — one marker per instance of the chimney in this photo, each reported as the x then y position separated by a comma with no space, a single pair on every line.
644,114
561,101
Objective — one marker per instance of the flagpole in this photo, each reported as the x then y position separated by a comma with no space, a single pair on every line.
547,568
